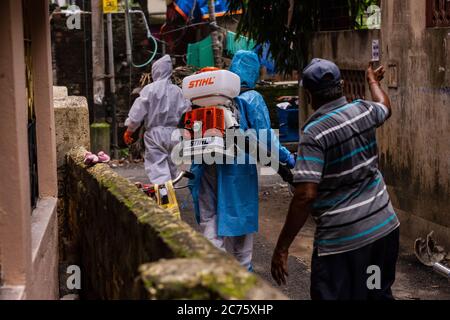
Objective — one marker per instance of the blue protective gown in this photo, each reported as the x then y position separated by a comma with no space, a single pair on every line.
237,184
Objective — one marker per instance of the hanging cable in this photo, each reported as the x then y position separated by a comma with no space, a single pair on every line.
149,37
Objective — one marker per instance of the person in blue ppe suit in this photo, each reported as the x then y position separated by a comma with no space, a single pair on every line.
226,195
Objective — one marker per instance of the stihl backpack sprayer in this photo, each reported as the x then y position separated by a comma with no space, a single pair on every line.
214,113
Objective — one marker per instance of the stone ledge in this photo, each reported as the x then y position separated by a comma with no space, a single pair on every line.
176,234
41,219
72,125
44,248
59,92
131,248
12,292
70,102
204,279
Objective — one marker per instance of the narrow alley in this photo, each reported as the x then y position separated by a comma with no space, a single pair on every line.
414,281
319,132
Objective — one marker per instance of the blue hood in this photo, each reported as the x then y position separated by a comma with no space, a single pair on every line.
246,65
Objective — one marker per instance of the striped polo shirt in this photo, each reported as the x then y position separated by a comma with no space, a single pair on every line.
338,151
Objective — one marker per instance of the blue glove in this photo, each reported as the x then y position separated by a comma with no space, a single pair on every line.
291,161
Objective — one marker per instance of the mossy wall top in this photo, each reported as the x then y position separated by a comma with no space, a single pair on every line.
118,228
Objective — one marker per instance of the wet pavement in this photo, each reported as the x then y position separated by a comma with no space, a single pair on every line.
414,281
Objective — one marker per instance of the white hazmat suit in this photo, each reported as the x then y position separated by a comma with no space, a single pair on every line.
160,105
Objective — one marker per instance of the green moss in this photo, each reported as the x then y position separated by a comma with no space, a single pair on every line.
200,279
197,269
170,229
124,153
121,188
100,125
231,286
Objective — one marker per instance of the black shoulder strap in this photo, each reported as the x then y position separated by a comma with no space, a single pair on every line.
243,89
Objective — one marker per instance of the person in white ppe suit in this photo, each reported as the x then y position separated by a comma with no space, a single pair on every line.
160,105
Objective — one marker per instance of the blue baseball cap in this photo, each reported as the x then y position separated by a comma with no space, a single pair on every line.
320,74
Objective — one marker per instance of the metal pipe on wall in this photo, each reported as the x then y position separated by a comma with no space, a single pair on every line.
442,270
98,60
127,35
112,83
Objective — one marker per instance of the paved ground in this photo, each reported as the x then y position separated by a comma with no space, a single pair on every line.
414,281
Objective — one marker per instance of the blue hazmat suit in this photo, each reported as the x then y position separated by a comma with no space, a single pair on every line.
237,184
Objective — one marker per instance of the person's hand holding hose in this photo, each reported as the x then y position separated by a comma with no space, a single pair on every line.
127,137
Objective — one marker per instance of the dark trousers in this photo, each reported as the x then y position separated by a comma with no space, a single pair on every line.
345,276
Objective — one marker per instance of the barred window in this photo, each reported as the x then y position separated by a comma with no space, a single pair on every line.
354,84
438,13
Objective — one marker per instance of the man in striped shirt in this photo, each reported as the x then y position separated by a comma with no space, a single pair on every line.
338,182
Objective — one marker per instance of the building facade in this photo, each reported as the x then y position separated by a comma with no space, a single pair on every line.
28,220
414,46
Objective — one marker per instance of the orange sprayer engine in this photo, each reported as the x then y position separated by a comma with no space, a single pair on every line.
211,92
212,119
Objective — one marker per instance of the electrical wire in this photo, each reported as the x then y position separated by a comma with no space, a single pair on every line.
185,27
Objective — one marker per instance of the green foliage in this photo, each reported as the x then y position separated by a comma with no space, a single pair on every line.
266,21
124,153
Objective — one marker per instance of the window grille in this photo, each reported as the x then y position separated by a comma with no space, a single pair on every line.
354,84
438,13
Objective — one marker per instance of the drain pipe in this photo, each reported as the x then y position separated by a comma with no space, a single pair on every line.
127,34
442,270
129,38
147,28
430,254
112,84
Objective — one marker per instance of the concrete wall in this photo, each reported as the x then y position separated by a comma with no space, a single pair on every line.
71,121
414,143
73,62
15,207
72,130
351,50
128,247
28,238
348,49
44,248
